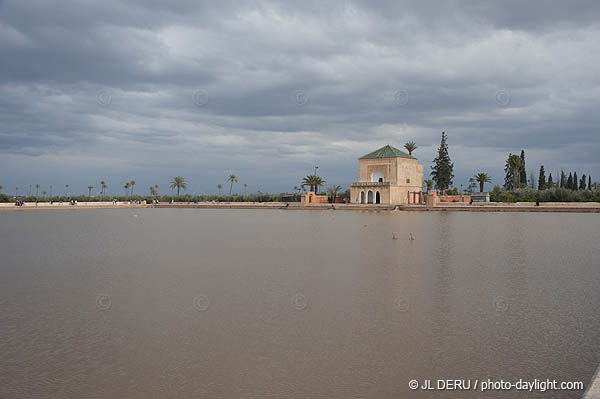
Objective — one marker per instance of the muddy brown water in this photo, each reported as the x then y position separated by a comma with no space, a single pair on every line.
204,303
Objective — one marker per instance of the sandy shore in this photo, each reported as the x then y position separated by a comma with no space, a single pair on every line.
578,207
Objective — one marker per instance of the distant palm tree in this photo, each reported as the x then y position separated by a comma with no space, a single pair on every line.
220,187
178,182
17,192
103,185
314,182
429,184
43,194
67,190
333,191
90,191
131,184
245,187
153,191
30,191
126,186
232,179
482,178
410,147
37,189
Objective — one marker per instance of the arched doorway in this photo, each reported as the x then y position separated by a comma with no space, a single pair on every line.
377,198
362,197
370,197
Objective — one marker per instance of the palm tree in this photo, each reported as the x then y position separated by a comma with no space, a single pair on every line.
126,186
232,179
245,187
220,187
43,194
131,184
153,191
314,182
67,190
429,184
37,189
17,192
103,185
90,191
332,192
482,178
30,191
178,182
410,147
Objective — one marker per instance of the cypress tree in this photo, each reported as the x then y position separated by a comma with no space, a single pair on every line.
508,174
550,182
575,181
589,182
563,179
441,171
542,179
570,182
582,183
523,177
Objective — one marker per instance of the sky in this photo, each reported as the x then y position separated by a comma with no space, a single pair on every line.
267,90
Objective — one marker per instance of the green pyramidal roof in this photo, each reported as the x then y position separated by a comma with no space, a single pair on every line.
387,152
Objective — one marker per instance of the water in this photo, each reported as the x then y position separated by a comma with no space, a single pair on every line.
183,303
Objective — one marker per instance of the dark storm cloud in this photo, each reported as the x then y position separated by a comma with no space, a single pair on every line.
150,89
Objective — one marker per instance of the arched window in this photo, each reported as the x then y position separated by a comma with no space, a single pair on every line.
362,197
377,176
377,198
370,197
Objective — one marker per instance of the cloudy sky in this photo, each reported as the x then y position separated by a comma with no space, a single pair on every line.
147,90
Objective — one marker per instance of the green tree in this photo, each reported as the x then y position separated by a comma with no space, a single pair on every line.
126,186
245,188
442,169
575,181
220,187
523,176
332,192
512,169
17,192
37,189
550,183
233,179
482,178
429,184
569,184
132,184
563,179
67,190
43,195
90,191
1,187
582,182
313,181
410,147
103,187
542,179
589,183
153,191
179,183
